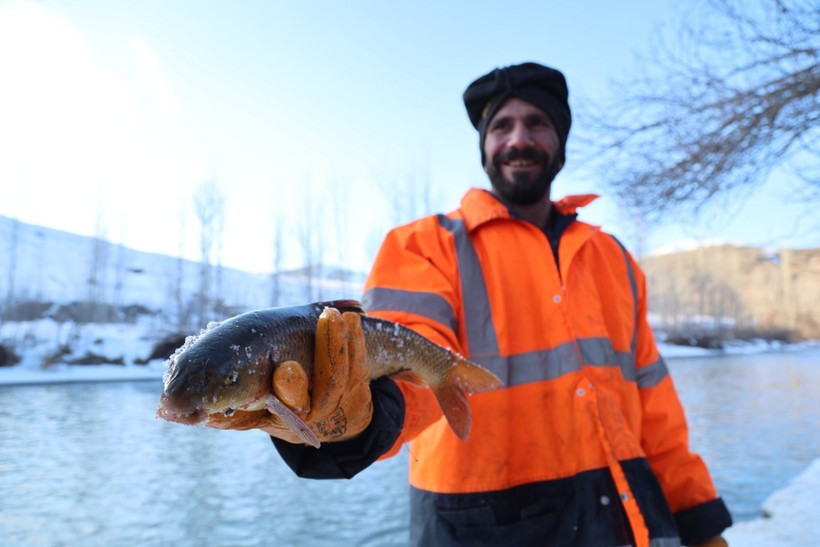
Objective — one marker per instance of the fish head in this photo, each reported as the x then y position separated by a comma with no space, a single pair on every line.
207,376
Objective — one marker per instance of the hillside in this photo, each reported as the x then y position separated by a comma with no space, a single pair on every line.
736,291
41,264
69,298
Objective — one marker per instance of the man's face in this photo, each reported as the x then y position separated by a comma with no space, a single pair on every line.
522,152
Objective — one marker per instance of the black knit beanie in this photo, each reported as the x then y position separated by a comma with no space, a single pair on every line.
539,85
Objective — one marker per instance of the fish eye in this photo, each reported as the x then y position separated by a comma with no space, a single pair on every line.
232,379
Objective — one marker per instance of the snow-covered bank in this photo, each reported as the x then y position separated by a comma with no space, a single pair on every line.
672,351
792,516
61,374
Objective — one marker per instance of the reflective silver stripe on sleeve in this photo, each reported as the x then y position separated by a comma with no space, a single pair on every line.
633,284
665,542
651,375
481,336
426,304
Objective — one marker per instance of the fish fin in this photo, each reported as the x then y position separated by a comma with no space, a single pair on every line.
471,377
466,377
456,408
410,377
292,420
344,305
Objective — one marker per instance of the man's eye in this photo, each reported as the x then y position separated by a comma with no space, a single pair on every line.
541,122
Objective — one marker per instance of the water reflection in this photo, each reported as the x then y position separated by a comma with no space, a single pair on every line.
754,420
89,464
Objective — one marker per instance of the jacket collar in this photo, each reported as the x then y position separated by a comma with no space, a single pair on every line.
479,206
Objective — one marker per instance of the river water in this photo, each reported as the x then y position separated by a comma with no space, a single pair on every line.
88,464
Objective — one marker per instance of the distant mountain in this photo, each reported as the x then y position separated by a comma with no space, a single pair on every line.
47,265
725,291
67,299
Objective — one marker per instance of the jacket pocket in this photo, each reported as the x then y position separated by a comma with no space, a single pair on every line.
515,523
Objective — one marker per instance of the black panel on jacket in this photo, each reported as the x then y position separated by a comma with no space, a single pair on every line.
700,522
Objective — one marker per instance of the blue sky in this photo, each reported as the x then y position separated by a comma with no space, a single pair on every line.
111,114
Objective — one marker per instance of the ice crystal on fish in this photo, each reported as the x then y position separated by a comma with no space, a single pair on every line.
274,354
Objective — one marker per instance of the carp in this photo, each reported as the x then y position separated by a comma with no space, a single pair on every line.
227,371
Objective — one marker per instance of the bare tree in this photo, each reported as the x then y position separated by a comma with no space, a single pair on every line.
339,213
41,263
209,204
736,96
276,289
119,272
309,235
410,195
177,314
13,244
98,270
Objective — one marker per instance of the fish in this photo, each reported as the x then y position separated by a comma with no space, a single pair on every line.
224,375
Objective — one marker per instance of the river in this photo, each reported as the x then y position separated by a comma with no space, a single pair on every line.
88,464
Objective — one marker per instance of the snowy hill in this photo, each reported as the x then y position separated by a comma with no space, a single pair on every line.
67,298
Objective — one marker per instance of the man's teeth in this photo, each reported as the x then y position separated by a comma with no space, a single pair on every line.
521,163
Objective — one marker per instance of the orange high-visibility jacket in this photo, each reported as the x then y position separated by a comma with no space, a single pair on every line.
586,393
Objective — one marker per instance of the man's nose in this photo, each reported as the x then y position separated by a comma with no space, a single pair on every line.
520,136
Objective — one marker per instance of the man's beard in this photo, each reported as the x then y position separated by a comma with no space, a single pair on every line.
524,188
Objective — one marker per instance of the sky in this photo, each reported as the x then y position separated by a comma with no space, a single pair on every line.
113,114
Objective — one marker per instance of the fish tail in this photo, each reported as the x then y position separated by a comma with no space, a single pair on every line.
465,377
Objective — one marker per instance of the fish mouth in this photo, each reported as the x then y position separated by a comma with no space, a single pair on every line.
189,418
180,413
183,410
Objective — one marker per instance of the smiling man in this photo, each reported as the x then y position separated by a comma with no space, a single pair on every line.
522,134
586,443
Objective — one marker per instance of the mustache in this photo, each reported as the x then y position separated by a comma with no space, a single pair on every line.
522,154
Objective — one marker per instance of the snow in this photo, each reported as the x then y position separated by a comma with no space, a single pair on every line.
671,351
793,515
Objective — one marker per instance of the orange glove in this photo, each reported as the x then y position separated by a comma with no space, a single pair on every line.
716,541
337,407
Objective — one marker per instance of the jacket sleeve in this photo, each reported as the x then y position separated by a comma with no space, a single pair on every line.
344,459
414,281
683,476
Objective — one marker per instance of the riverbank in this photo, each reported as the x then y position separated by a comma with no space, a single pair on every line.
791,515
64,374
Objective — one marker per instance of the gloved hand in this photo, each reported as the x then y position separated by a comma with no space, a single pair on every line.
338,406
716,541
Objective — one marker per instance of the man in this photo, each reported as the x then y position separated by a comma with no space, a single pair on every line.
587,442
